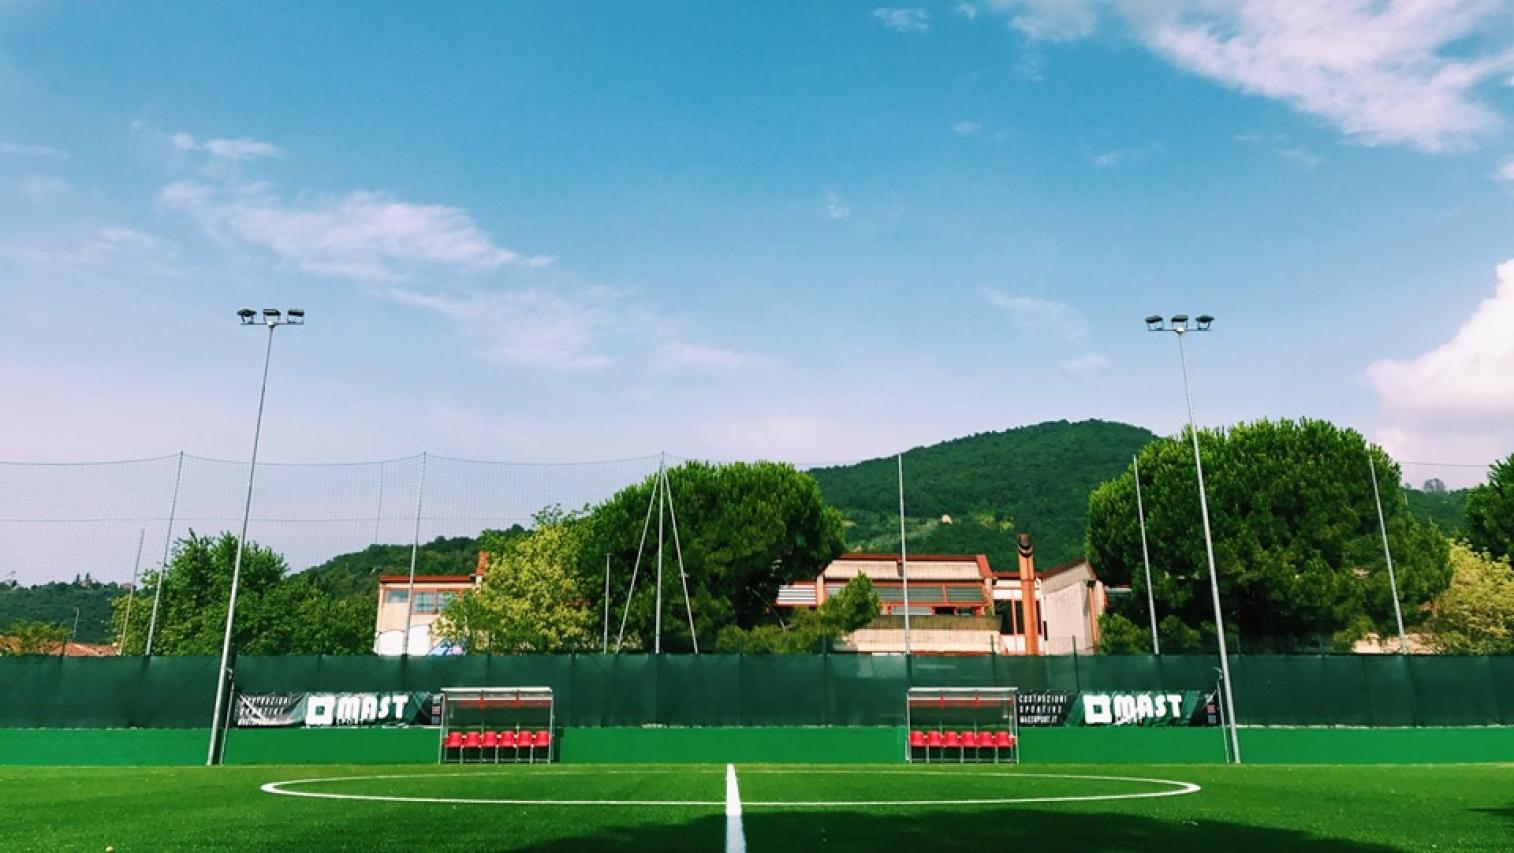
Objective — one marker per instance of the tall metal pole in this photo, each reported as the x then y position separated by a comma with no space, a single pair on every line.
378,517
903,552
1214,580
415,549
131,593
683,576
157,592
212,756
607,604
1398,613
1151,601
657,619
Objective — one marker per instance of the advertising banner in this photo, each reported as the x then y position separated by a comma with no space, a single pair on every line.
1118,708
318,710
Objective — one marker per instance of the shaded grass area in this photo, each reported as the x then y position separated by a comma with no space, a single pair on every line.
1329,808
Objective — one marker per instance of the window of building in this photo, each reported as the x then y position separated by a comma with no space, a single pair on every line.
443,599
425,602
396,596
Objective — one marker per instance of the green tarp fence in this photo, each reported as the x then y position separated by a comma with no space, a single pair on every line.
767,690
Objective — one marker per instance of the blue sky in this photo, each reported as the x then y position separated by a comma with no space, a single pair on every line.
812,231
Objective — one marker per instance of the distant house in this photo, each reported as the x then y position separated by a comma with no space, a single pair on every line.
432,594
959,605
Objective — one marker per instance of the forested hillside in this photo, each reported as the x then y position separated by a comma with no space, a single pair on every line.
357,573
54,603
1448,510
1033,479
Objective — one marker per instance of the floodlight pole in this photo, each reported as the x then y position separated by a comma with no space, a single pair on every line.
157,592
903,553
657,617
1398,613
1151,601
1179,327
272,320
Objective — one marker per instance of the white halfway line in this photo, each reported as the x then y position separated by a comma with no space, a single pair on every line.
735,839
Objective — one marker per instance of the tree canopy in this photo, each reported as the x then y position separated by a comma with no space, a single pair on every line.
744,529
1490,512
1476,614
808,630
530,599
1296,536
275,614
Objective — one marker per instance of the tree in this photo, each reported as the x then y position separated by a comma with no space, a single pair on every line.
744,529
1476,614
1120,636
529,600
1490,512
25,637
276,615
1297,545
851,607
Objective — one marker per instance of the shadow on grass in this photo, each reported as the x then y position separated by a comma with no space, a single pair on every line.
792,831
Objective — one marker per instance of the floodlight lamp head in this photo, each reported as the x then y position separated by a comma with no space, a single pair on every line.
1154,323
295,316
1204,322
246,315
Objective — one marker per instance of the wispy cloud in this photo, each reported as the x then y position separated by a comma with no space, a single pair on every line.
1460,390
1280,145
240,148
361,235
966,10
1123,156
530,328
903,20
44,187
834,206
1382,71
21,149
109,246
1051,20
1086,363
681,355
1505,171
1034,314
966,128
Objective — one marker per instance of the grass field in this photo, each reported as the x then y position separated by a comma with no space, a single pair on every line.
783,808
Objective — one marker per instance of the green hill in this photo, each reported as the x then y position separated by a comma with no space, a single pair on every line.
54,603
1448,510
357,573
1033,479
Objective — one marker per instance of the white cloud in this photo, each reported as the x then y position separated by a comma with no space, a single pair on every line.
966,128
1051,20
1456,399
531,328
1306,159
676,355
966,10
836,207
21,149
1122,156
1086,363
1032,314
44,187
240,148
361,235
1505,171
1380,71
903,20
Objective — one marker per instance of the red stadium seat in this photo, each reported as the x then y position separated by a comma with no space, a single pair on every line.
544,741
1003,740
454,741
489,741
471,740
524,740
970,740
953,740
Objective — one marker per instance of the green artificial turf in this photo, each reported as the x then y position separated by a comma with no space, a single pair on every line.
1273,808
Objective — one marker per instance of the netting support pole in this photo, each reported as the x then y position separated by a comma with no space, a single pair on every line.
635,569
1151,601
661,501
157,592
606,649
415,548
131,593
903,553
1398,613
378,516
683,576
